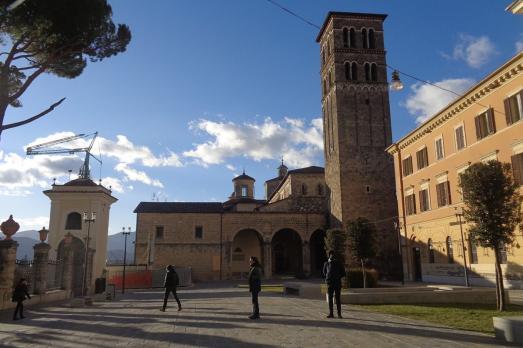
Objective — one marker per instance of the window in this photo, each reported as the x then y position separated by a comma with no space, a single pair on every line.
373,72
460,138
352,38
450,250
345,37
320,189
514,108
424,200
364,38
422,158
244,191
159,232
74,221
367,72
431,251
407,166
440,152
517,168
473,249
485,124
198,232
303,189
372,40
354,71
347,71
443,194
410,204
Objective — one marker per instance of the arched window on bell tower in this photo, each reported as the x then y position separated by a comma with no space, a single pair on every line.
354,71
374,72
345,37
364,38
372,39
367,72
352,38
347,71
73,221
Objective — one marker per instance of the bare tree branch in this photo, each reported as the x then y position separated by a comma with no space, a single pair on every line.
26,84
31,119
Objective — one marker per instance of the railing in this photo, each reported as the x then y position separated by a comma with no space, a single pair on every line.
24,269
54,274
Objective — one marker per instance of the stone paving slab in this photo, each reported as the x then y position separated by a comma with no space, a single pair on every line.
217,317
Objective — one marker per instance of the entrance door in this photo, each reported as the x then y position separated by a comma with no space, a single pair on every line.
416,252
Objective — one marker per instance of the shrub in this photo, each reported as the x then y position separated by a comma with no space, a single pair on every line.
356,277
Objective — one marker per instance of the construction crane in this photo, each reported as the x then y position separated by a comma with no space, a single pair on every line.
49,148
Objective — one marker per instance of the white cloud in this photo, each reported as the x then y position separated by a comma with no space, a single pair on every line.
475,51
300,144
426,100
230,167
33,223
132,174
114,183
519,44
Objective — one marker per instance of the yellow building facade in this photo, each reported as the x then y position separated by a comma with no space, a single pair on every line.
485,124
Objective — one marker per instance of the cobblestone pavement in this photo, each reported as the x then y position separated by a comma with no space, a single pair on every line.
217,317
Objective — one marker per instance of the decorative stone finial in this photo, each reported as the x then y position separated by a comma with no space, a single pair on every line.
9,227
43,234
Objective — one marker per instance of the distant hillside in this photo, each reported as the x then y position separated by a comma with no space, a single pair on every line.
25,247
115,248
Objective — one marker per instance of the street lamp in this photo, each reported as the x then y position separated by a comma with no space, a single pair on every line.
400,249
395,83
88,221
459,213
125,255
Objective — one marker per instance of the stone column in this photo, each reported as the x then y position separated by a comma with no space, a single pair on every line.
267,259
7,268
306,257
67,275
40,265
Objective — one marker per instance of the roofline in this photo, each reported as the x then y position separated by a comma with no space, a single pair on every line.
352,14
515,6
458,100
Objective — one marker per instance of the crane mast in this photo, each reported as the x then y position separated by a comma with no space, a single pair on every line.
49,148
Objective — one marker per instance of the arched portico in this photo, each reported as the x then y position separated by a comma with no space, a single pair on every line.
246,243
78,263
317,252
287,253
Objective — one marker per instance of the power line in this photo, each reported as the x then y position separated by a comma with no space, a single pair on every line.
292,13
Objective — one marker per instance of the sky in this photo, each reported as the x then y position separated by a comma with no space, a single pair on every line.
208,88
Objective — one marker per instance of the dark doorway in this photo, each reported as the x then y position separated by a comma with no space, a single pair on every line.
416,252
78,263
318,254
287,253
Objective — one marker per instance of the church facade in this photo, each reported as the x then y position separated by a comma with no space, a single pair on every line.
286,230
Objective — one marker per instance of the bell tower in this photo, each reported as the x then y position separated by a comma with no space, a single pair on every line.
356,121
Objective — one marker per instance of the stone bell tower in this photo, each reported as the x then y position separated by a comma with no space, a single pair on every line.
356,122
72,204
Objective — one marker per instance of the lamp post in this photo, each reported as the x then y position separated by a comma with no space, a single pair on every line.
88,221
125,255
459,213
400,249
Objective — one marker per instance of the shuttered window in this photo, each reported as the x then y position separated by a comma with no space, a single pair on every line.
422,158
407,166
460,138
514,108
485,124
443,193
439,149
410,204
424,200
517,168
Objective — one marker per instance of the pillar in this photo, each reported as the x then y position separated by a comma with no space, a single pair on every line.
306,257
67,275
40,265
267,259
7,268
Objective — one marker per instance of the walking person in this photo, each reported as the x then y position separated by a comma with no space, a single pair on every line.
255,275
333,271
19,295
170,284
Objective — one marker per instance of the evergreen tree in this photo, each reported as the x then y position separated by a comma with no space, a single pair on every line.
492,208
362,243
336,240
55,37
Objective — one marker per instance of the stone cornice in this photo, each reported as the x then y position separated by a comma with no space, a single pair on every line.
498,78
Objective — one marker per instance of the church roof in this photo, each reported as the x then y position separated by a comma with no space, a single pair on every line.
179,207
243,177
308,170
81,182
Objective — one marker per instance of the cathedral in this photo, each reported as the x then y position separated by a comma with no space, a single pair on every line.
286,229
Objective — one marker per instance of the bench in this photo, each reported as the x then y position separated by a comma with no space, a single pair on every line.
509,329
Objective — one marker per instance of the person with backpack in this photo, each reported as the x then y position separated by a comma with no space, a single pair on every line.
333,271
170,284
255,275
19,295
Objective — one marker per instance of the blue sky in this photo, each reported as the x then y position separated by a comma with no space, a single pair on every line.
207,88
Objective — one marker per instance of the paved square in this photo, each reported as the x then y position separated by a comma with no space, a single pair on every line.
217,317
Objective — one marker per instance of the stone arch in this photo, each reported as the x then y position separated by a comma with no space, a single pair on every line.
287,255
317,250
245,243
78,261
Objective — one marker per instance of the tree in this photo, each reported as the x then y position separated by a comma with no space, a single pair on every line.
335,240
362,244
55,37
492,207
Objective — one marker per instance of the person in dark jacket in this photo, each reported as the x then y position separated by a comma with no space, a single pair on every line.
170,284
333,271
19,294
255,275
